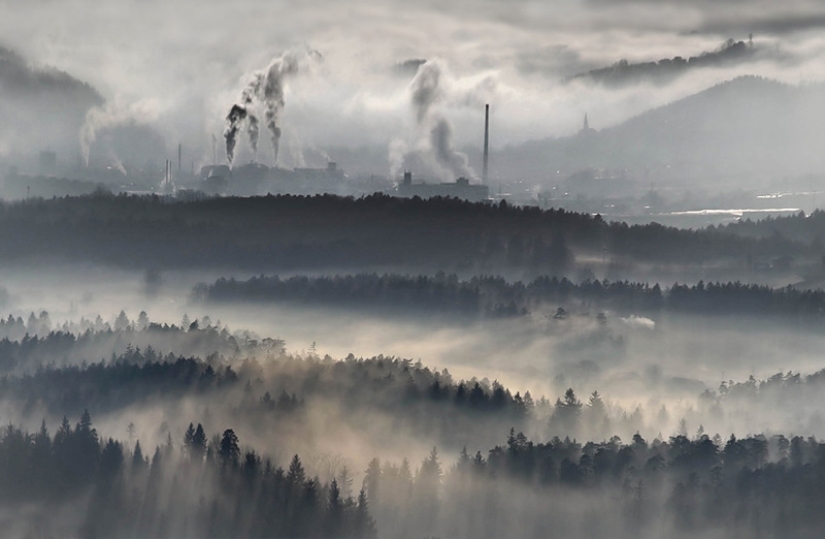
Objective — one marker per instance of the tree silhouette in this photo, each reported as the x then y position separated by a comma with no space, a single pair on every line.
229,452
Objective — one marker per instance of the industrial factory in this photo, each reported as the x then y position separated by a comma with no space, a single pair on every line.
257,179
461,188
440,170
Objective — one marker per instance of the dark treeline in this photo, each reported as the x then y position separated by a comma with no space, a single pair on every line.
363,395
289,232
624,73
279,391
265,387
782,401
28,344
205,484
756,486
86,486
115,385
438,294
493,296
800,227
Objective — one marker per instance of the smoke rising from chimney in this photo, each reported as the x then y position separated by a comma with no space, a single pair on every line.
441,140
237,114
253,131
425,89
266,87
485,164
435,146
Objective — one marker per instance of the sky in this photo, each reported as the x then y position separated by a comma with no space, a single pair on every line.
180,65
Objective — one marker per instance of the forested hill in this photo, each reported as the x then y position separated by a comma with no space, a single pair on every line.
746,128
799,227
41,106
18,78
289,232
624,73
495,297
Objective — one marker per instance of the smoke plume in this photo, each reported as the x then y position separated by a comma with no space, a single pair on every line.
434,149
273,95
441,140
425,89
253,130
111,115
237,114
266,87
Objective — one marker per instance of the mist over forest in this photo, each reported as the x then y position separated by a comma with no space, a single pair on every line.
415,271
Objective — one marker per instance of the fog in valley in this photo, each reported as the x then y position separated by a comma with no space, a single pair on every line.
413,271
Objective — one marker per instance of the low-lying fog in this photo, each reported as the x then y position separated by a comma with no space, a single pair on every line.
632,361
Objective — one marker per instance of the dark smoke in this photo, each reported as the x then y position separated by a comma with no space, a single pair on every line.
266,87
233,125
252,130
273,95
247,98
239,113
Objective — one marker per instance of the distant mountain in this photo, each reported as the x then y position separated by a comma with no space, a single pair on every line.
40,106
43,107
21,80
623,73
743,130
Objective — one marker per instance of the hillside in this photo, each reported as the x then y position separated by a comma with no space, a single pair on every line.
744,129
624,73
40,106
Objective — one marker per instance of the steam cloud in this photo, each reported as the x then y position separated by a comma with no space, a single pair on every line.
266,87
426,90
441,137
113,115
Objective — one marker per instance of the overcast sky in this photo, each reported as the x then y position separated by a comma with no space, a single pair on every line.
181,64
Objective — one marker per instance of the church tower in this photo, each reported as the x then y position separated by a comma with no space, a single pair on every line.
586,129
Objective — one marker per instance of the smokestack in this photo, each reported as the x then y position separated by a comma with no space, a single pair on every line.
486,142
180,154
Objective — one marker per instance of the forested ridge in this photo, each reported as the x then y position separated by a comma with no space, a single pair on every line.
183,488
259,383
494,296
753,485
681,486
290,232
26,345
799,227
207,481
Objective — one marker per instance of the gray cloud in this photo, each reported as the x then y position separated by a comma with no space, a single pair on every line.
192,61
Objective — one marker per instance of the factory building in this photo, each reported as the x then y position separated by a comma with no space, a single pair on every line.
461,188
254,179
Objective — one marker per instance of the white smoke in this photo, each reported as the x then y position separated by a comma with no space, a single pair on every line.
116,162
114,114
398,149
434,151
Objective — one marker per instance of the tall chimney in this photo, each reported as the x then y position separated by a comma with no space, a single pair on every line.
486,142
180,154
